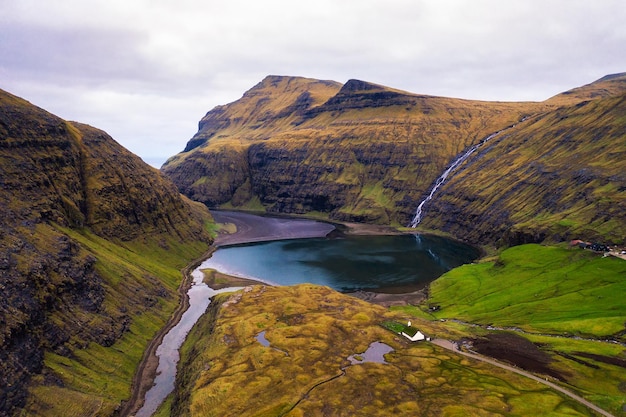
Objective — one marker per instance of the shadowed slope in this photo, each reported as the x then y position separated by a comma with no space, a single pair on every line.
77,209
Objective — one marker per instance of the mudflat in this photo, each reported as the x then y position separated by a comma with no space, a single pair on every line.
259,228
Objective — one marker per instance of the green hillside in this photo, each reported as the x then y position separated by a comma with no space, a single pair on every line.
369,153
566,300
91,245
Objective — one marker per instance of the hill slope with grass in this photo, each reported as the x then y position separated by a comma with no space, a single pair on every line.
303,351
557,176
555,308
365,152
91,245
357,151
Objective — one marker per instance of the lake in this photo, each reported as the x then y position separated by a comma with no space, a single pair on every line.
398,263
346,264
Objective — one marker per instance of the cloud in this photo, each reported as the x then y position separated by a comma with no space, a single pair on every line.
146,71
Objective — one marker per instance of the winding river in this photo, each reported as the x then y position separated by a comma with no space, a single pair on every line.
199,299
384,263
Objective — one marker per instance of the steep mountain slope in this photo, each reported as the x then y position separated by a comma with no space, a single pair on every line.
370,153
560,175
356,152
607,86
77,209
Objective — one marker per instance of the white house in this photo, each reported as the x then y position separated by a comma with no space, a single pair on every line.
412,334
414,338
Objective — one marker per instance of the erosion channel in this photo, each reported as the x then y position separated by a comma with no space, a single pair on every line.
282,251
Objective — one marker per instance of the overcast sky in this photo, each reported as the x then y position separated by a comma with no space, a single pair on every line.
146,71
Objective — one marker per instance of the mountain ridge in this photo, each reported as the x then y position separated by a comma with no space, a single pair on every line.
367,153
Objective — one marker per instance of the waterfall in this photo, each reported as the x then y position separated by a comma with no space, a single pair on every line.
442,179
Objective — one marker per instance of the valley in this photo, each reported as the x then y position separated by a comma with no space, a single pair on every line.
540,350
95,245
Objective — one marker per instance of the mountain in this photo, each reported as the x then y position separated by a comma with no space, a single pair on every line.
607,86
92,240
365,152
356,152
559,176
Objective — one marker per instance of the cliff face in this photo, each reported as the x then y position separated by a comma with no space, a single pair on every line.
557,176
59,181
365,152
359,151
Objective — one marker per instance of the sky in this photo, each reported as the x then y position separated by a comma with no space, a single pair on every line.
147,71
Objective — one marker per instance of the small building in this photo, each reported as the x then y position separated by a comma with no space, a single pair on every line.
416,336
413,334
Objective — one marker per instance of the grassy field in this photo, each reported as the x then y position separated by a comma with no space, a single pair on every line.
567,301
312,331
558,290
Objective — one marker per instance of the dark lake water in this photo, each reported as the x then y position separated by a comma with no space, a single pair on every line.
347,264
389,263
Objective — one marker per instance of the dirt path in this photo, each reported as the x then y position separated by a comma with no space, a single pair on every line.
446,344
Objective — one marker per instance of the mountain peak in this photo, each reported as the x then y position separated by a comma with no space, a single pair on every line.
357,94
607,86
612,77
286,83
353,85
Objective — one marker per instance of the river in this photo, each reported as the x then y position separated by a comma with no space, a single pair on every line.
347,264
199,299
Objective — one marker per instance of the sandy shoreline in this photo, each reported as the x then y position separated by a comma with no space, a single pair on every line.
253,228
250,228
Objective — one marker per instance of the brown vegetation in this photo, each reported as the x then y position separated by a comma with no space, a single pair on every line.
76,209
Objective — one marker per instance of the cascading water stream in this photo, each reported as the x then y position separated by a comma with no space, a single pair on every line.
442,179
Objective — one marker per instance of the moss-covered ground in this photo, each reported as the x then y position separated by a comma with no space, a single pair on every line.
567,301
304,371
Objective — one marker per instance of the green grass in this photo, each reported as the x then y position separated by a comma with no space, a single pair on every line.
599,382
254,205
541,289
552,293
95,379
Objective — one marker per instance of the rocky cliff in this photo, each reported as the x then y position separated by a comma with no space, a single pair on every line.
360,151
364,152
74,205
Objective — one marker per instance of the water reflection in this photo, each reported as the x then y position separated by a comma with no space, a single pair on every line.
375,353
350,264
